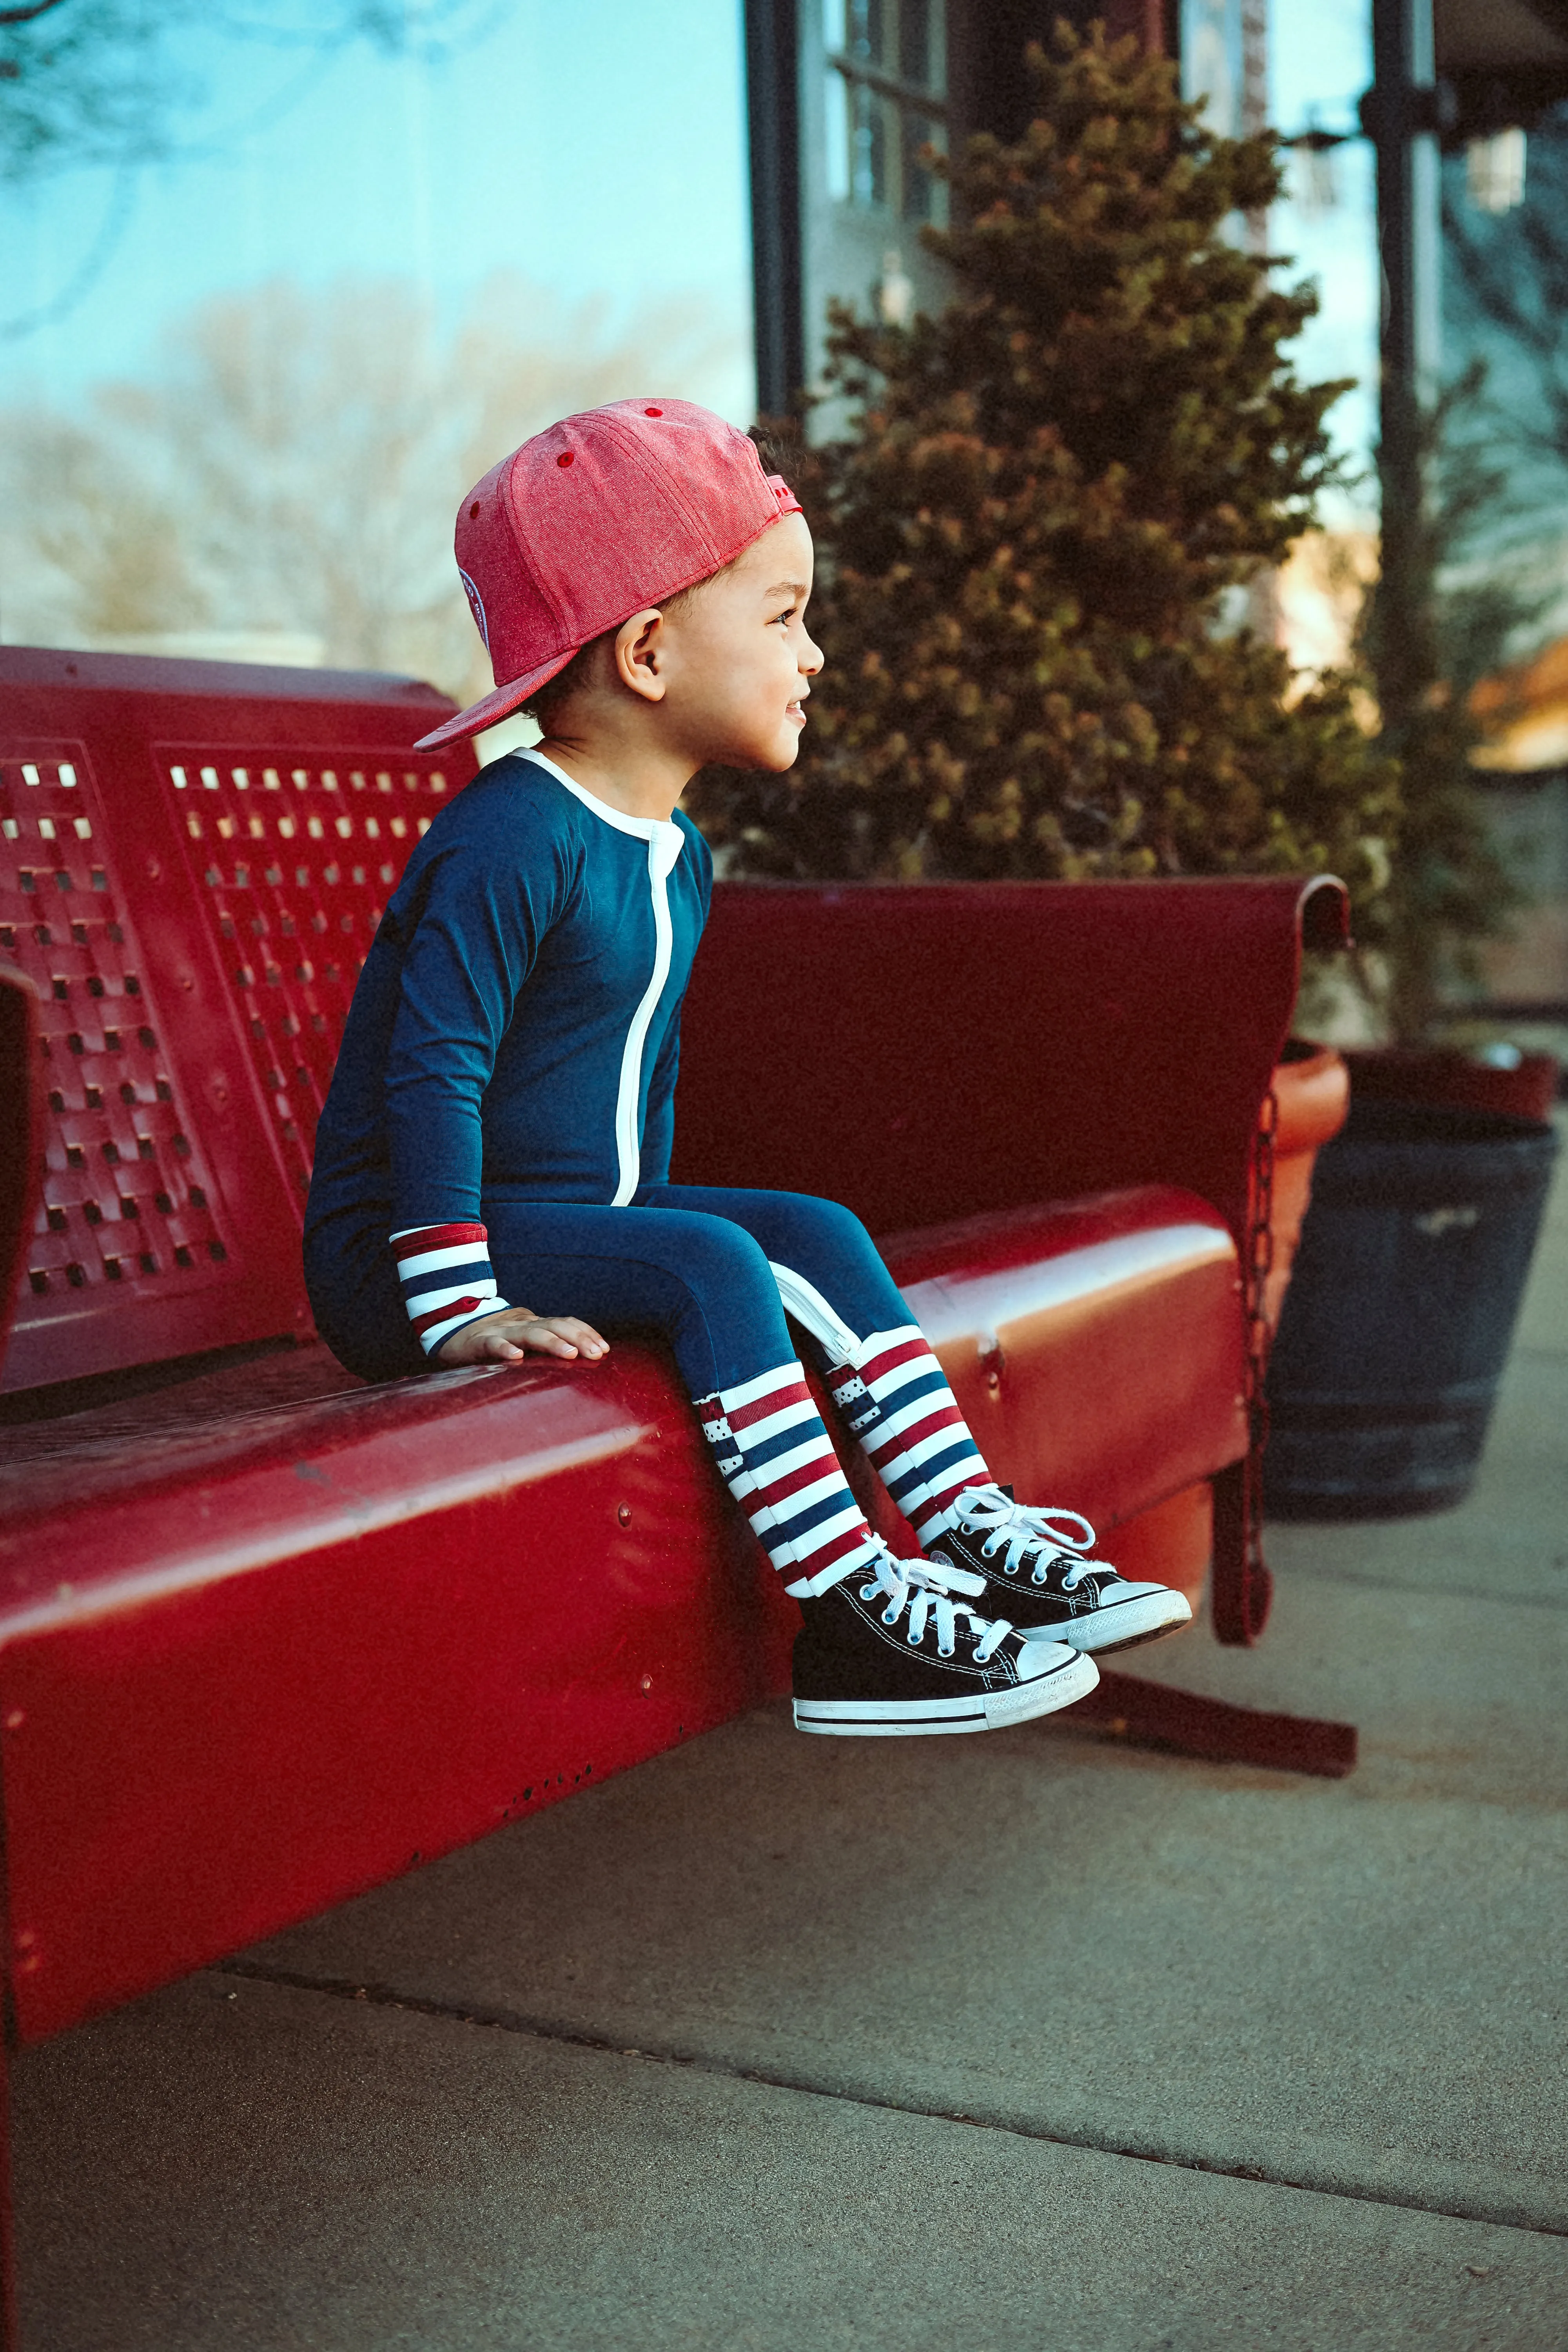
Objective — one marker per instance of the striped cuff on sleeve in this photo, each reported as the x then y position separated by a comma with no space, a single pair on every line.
445,1278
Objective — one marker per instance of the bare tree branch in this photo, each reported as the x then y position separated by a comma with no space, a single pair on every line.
101,82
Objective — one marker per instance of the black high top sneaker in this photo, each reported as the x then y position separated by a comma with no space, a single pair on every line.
1036,1568
889,1653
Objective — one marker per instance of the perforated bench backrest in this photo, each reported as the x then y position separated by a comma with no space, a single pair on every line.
194,860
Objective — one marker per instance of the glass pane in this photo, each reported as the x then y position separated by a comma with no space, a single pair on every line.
914,36
833,33
936,52
1212,61
922,44
869,146
869,28
835,126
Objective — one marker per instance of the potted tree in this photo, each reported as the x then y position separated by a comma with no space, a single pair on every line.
1046,530
1046,535
1427,1206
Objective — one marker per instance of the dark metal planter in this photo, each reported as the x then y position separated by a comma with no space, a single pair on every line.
1396,1325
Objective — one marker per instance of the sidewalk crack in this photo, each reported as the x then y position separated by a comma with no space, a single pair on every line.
548,2030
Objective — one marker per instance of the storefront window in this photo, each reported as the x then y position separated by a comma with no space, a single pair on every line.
887,87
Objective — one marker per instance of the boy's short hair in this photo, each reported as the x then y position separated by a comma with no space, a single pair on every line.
622,505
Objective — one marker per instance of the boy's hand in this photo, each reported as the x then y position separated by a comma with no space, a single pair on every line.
508,1337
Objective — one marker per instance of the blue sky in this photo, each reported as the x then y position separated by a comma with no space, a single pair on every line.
594,147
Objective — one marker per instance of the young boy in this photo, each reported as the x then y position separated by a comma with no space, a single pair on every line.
499,1126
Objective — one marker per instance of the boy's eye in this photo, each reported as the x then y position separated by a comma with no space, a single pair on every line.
787,615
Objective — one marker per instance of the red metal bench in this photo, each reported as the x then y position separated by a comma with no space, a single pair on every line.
268,1636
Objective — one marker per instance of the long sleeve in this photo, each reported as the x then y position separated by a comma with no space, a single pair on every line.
659,1119
474,939
496,1026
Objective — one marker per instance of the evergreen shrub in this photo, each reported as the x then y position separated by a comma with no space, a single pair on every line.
1037,534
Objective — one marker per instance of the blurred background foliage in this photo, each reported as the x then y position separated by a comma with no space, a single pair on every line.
114,82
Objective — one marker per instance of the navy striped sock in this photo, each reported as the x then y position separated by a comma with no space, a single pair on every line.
896,1400
779,1462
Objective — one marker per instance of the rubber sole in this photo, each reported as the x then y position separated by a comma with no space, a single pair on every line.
1123,1626
892,1718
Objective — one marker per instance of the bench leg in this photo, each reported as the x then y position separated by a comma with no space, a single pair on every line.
1240,1586
1154,1715
10,2332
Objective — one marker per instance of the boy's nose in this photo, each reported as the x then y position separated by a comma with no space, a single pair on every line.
810,658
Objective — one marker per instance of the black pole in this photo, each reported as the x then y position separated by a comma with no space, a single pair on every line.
773,120
1400,113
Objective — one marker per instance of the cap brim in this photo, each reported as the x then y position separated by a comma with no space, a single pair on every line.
494,708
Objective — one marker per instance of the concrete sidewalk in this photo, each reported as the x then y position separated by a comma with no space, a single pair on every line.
1025,2041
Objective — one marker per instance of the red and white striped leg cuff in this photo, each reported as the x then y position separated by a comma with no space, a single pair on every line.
896,1400
778,1461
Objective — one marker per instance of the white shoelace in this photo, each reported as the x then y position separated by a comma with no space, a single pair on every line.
1017,1529
926,1591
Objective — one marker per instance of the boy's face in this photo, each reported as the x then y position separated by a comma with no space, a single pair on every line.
736,660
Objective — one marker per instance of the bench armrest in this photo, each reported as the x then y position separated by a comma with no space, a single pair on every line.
923,1052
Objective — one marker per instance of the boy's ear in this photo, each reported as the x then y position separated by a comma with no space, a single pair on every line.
638,654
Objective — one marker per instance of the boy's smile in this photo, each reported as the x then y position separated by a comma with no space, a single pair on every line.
737,659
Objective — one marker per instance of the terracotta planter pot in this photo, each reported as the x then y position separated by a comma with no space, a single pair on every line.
1455,1081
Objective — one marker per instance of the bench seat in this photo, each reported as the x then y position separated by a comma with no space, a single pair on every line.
270,1636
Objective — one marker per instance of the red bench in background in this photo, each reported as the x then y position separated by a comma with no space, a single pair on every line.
268,1636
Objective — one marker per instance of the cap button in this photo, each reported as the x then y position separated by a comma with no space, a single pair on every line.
653,412
565,458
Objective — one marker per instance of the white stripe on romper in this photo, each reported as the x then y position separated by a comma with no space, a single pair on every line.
665,842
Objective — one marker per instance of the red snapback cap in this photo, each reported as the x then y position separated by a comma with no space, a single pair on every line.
590,519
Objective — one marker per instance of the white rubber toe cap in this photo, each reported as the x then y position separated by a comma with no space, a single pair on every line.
1040,1653
1137,1612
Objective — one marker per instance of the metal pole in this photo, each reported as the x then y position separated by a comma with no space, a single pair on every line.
773,120
1401,114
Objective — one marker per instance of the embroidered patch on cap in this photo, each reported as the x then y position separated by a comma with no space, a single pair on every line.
476,606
